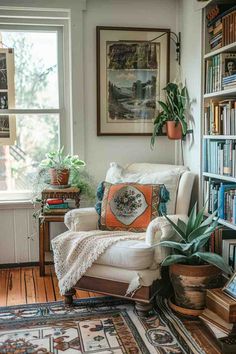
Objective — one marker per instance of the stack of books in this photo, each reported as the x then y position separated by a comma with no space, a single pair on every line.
58,205
221,26
220,157
220,314
217,68
229,82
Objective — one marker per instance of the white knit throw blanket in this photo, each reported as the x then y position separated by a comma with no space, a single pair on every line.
75,252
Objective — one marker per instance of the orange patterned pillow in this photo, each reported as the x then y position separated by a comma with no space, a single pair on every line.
131,206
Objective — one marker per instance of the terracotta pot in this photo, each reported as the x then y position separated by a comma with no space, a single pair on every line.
190,283
174,130
59,177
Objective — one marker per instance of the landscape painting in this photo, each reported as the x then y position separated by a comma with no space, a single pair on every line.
132,74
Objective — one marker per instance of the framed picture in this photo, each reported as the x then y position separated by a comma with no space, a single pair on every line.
7,97
132,70
7,129
230,287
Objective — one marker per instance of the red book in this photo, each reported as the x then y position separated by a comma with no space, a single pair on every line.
55,201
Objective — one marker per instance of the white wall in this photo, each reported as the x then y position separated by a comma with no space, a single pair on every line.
18,234
99,151
191,29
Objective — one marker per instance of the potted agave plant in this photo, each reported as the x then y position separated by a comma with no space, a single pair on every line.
173,113
192,268
60,166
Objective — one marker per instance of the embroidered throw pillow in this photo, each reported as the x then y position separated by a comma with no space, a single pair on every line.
130,206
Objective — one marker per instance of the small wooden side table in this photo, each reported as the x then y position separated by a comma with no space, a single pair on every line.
45,218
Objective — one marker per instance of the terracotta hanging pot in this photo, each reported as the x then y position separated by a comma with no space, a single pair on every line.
59,177
174,130
190,283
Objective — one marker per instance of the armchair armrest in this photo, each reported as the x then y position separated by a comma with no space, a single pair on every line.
159,230
84,219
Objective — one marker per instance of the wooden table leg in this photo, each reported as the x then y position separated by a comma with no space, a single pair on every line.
46,236
41,248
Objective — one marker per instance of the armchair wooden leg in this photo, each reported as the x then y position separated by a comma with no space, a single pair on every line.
69,297
143,308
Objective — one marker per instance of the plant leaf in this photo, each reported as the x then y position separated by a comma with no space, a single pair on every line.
210,218
181,224
172,259
201,230
214,259
183,247
176,228
191,220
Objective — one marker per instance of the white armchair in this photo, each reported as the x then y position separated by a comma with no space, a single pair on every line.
134,264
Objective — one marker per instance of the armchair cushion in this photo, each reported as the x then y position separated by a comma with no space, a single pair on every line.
149,174
129,254
130,206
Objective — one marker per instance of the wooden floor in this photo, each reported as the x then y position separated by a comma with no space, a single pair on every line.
25,286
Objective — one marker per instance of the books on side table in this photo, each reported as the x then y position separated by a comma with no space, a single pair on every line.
58,206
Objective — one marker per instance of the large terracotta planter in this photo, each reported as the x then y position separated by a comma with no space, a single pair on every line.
174,130
59,177
190,283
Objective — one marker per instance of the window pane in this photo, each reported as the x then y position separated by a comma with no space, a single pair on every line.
36,68
36,135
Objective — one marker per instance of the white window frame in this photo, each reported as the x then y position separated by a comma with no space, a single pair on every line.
29,19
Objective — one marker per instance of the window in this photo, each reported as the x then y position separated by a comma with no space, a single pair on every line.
38,105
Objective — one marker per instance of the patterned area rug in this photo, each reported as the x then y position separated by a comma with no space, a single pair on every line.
95,325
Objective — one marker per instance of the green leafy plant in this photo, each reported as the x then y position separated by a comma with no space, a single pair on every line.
193,237
173,109
59,161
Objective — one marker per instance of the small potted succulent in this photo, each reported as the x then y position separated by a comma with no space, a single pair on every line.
192,268
173,114
60,166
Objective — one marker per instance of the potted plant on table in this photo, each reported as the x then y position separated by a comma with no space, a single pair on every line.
59,170
60,166
192,268
173,114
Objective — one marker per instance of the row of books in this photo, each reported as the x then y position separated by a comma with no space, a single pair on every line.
220,157
220,117
222,27
218,68
222,197
58,205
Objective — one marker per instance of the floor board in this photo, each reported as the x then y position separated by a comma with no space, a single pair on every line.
25,286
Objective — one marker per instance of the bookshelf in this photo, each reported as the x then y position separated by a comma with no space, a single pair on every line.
219,111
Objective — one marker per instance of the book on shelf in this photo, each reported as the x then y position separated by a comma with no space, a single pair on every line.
218,237
219,68
220,117
222,197
219,157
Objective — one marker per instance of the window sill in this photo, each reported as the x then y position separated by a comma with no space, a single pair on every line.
16,204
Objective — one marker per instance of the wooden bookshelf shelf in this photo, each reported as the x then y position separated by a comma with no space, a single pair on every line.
227,223
220,177
230,47
220,137
231,92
